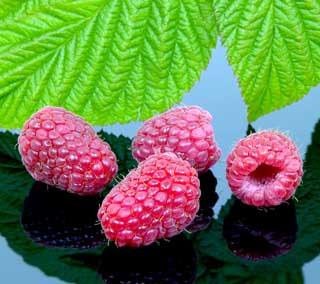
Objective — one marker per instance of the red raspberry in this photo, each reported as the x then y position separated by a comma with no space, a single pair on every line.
156,200
61,149
185,131
264,169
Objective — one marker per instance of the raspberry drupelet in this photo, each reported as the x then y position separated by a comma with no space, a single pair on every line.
185,131
264,169
62,150
157,200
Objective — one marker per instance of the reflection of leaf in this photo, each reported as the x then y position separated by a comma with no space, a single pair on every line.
121,146
286,268
109,61
274,49
9,150
15,184
308,205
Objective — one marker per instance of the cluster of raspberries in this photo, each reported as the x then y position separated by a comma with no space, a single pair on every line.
159,198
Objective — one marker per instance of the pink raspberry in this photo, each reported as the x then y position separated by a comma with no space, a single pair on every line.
156,200
61,149
185,131
264,169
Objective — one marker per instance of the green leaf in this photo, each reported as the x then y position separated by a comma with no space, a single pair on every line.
274,49
109,61
225,267
9,6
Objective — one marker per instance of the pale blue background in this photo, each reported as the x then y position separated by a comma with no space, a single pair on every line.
218,92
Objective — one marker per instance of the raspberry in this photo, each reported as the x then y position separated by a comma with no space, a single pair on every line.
208,199
185,131
55,218
61,149
256,234
264,169
174,262
156,200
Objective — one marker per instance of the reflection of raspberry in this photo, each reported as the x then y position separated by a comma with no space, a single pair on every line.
208,199
61,149
185,131
55,218
156,200
256,234
172,262
264,169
